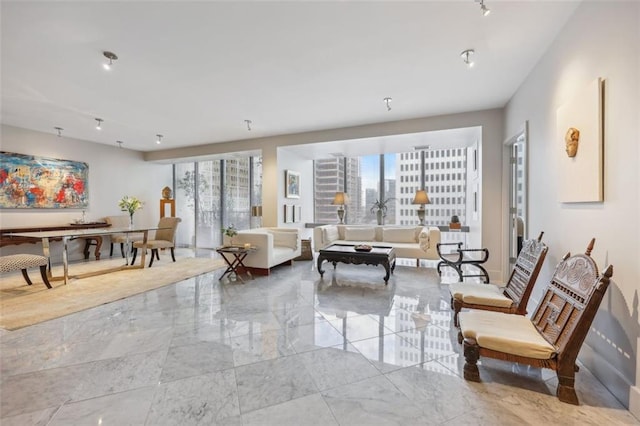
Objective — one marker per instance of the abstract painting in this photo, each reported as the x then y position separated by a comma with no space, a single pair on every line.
30,182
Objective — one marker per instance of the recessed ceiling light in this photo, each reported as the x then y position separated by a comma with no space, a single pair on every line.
421,147
466,57
99,125
111,57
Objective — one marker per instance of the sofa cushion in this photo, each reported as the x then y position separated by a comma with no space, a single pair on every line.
330,233
399,235
360,234
285,239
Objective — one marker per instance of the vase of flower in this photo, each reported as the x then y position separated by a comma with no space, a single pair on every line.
230,231
130,205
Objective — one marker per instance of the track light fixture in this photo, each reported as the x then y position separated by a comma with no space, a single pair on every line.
119,144
248,124
466,57
388,102
484,9
111,57
59,129
99,125
159,140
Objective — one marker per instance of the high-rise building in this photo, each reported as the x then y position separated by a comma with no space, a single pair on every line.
333,175
445,182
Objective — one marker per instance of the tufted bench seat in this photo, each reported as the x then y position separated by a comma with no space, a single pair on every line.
23,262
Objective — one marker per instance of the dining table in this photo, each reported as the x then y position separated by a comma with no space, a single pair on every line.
67,235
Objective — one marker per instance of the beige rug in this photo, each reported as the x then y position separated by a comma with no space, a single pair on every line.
22,305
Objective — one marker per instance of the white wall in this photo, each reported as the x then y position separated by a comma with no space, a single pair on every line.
288,160
602,39
113,173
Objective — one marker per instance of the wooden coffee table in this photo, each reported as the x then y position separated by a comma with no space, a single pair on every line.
344,253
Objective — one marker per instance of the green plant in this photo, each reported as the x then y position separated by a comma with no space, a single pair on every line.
230,231
130,204
380,206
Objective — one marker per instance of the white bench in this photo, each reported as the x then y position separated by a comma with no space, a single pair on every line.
23,262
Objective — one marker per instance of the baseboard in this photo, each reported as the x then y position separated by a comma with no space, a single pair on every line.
611,378
634,401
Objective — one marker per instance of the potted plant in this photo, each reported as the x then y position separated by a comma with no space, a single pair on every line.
380,209
230,231
455,222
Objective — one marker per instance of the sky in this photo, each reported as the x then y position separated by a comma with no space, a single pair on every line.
369,166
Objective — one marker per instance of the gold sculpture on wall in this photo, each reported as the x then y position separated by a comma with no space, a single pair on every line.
571,140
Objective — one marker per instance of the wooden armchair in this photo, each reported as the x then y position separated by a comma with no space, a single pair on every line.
513,297
553,336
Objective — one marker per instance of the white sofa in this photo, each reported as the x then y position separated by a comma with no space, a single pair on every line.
411,242
275,246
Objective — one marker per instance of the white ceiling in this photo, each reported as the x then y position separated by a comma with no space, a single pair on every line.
194,71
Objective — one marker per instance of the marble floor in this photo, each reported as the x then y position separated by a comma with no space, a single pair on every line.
288,349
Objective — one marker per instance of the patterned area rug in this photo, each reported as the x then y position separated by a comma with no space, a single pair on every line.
22,305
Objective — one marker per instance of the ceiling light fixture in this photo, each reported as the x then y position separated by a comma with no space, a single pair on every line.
99,125
466,57
119,143
388,102
111,57
484,9
59,129
421,147
248,124
159,141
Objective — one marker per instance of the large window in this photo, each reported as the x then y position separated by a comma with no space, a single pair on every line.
214,194
395,178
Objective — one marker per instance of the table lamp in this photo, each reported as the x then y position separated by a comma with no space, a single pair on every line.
340,199
421,198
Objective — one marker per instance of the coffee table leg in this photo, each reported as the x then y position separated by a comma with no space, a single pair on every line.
319,265
387,268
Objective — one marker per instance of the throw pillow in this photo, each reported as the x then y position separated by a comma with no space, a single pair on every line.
285,239
330,234
398,235
359,234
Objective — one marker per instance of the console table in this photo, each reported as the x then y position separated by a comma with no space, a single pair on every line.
7,240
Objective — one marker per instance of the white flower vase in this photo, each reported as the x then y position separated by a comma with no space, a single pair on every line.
131,221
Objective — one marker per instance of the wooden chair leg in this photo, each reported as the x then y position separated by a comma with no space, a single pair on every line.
135,253
566,391
45,278
111,251
471,356
157,254
122,249
26,276
173,255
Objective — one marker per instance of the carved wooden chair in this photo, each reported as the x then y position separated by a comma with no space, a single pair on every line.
164,238
513,297
553,336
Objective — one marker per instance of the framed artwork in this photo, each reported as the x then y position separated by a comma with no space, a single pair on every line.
579,146
291,184
297,214
288,213
30,182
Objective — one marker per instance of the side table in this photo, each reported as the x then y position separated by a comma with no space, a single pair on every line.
234,256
